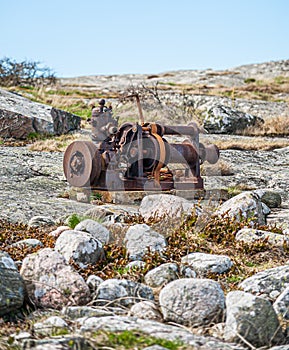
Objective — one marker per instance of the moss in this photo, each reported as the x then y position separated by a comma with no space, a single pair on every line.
134,340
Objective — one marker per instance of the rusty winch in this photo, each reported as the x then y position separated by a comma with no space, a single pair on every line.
136,156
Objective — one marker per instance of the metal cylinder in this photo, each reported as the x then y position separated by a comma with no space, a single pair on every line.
191,130
183,153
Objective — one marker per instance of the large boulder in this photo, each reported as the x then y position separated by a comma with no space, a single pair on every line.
222,119
51,282
11,285
79,246
191,301
247,205
251,318
20,117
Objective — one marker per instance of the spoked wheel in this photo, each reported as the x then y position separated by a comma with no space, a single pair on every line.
82,163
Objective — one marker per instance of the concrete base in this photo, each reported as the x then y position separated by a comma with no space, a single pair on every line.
89,195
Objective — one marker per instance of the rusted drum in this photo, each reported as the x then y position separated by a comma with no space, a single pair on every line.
82,163
212,154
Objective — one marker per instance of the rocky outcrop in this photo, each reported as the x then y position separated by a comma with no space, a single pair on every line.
20,117
225,120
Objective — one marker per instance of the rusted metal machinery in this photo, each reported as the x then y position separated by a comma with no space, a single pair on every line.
136,156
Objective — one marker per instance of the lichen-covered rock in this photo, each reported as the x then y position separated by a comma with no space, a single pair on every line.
246,204
267,281
50,326
161,275
190,301
250,235
11,285
93,282
222,119
140,238
52,283
28,243
79,246
97,230
122,292
203,263
272,199
146,310
251,318
20,117
41,220
281,305
155,329
158,207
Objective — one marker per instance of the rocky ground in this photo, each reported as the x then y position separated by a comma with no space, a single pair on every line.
214,282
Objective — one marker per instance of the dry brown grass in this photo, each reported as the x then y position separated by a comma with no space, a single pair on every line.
56,144
253,144
275,126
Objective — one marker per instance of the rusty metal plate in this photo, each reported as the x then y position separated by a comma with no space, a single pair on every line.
81,163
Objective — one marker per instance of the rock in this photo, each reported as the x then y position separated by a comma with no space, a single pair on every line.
79,246
146,310
158,207
122,292
140,238
154,329
11,285
251,318
187,272
40,220
192,302
93,282
52,283
98,212
98,231
29,242
248,204
251,235
136,264
222,119
207,263
63,342
76,312
57,232
267,281
272,199
161,275
281,305
20,117
50,326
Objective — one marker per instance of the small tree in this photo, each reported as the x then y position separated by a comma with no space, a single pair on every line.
31,73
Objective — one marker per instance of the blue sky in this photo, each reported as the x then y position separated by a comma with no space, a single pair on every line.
92,37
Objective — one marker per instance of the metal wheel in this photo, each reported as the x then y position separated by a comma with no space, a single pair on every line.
82,163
